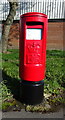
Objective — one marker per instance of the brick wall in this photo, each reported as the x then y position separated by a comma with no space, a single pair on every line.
55,36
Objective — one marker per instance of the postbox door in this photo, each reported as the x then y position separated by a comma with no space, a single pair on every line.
34,41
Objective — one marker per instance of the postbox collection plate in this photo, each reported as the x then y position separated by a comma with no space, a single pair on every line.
33,34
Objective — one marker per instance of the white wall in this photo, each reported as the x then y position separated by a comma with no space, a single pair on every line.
53,8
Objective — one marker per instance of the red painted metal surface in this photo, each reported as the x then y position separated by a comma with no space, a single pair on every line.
33,52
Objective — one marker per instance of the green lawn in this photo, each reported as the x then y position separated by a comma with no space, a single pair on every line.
54,81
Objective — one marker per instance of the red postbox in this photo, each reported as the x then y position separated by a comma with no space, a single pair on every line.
33,30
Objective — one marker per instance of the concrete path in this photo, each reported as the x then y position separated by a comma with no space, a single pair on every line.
24,114
1,115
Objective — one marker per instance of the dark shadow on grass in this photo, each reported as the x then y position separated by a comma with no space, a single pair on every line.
13,84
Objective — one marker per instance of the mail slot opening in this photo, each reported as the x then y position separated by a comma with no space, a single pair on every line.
34,23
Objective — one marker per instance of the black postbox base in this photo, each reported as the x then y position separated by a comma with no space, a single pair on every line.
31,92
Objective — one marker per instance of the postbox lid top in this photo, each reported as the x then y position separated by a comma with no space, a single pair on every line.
34,14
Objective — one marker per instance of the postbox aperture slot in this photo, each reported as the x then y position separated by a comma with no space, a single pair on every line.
34,23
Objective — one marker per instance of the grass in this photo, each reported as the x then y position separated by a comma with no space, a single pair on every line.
54,81
55,73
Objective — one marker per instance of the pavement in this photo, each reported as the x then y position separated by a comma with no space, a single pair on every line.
23,114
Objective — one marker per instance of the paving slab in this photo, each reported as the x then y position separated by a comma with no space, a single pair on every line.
24,114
